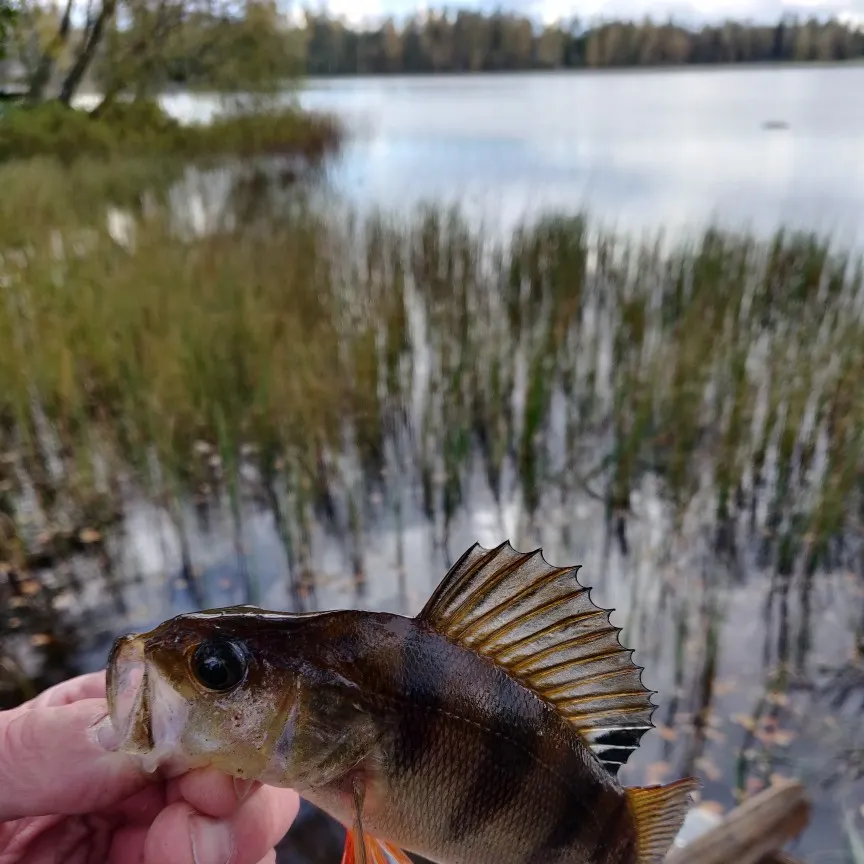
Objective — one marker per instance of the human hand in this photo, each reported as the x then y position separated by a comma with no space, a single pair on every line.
65,799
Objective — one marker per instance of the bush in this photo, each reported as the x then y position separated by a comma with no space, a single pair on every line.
142,128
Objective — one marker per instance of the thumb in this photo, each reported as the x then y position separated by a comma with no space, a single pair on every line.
51,762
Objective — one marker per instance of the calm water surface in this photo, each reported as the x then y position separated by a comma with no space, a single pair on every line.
650,150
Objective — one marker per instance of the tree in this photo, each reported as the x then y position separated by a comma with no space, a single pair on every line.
8,14
138,46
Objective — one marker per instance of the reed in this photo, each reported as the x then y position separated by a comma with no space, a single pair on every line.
724,367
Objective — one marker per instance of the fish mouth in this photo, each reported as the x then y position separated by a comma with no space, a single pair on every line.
128,694
147,713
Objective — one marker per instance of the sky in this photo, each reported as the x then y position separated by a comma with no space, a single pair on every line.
686,11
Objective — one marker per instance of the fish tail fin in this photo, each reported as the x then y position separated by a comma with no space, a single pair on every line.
659,812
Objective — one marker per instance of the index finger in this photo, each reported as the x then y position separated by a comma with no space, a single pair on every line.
90,686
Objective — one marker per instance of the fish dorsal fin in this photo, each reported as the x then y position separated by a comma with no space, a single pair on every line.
539,624
659,812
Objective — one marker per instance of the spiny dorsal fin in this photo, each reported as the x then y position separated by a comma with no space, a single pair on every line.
659,812
537,622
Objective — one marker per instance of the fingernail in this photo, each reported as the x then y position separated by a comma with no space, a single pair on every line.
242,787
106,735
212,840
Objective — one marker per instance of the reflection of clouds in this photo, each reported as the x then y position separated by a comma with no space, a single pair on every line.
668,149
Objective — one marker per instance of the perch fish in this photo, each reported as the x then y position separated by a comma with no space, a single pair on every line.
489,729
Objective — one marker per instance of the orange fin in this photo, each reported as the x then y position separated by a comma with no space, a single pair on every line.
365,849
659,812
539,624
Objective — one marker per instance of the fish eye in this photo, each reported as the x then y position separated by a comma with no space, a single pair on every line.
219,664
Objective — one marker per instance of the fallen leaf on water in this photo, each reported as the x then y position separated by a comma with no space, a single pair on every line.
29,587
89,535
745,720
725,687
708,768
656,773
784,737
40,640
667,733
754,785
714,807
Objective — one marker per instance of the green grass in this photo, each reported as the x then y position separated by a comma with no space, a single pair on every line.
727,367
142,129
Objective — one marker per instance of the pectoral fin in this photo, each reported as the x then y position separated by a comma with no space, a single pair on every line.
659,812
363,848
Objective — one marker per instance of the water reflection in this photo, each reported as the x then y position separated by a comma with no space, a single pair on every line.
741,669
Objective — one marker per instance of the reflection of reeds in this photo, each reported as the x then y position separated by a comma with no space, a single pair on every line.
853,837
415,352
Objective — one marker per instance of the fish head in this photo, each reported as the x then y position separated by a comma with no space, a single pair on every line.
202,689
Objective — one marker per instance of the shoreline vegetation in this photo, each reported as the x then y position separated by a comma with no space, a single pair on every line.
143,129
178,43
283,340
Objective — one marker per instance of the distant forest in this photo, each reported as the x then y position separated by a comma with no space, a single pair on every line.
474,42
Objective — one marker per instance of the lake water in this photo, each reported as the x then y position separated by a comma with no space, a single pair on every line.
752,671
641,149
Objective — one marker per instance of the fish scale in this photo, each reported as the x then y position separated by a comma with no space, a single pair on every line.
489,729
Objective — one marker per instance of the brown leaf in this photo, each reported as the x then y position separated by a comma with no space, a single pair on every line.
667,733
656,773
89,535
745,720
784,737
40,640
725,686
708,768
754,785
29,587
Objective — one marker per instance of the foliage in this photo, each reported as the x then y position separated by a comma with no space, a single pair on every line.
725,369
8,15
476,42
136,47
142,128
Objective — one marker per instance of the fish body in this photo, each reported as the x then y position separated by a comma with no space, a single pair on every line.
487,730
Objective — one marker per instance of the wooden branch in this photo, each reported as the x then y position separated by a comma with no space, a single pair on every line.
753,833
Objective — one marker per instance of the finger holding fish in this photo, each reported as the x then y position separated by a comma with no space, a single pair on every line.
181,834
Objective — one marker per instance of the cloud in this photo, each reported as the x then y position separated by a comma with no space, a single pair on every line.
697,11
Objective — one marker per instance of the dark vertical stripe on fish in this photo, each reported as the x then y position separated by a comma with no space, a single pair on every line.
571,820
611,837
502,772
421,691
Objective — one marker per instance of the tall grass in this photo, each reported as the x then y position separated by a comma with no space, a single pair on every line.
313,359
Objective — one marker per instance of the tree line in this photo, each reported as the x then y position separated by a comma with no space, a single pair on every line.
140,47
476,42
